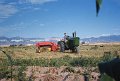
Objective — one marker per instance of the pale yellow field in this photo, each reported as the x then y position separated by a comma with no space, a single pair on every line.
26,52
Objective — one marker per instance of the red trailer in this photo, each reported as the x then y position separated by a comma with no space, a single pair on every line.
46,46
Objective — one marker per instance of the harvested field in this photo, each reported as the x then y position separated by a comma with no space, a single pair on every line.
85,51
55,66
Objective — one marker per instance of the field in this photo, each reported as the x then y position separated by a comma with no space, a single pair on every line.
22,63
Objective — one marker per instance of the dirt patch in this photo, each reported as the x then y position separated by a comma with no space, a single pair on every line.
58,74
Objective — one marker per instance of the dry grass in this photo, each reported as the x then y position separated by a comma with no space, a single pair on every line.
27,52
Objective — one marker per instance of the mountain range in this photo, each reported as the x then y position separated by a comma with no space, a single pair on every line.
24,41
18,40
103,39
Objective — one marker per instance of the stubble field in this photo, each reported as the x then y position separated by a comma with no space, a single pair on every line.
56,65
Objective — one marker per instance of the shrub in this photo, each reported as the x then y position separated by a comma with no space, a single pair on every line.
94,48
84,61
21,74
107,56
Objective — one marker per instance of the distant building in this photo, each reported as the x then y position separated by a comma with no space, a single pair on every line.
15,40
36,40
3,40
53,39
29,44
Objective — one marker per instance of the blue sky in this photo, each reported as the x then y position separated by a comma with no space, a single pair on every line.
51,18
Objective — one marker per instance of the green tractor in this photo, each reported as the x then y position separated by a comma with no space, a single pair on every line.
72,44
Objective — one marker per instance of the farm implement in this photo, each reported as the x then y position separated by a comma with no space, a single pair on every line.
71,43
46,46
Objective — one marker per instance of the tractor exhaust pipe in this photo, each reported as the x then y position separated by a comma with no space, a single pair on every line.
74,34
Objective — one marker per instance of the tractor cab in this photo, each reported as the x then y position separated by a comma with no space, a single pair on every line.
71,43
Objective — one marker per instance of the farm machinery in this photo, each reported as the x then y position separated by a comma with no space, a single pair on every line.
46,46
72,44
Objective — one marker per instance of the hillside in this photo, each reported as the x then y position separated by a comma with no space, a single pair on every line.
18,40
110,38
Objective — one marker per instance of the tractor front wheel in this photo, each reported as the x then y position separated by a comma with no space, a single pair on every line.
77,49
62,46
